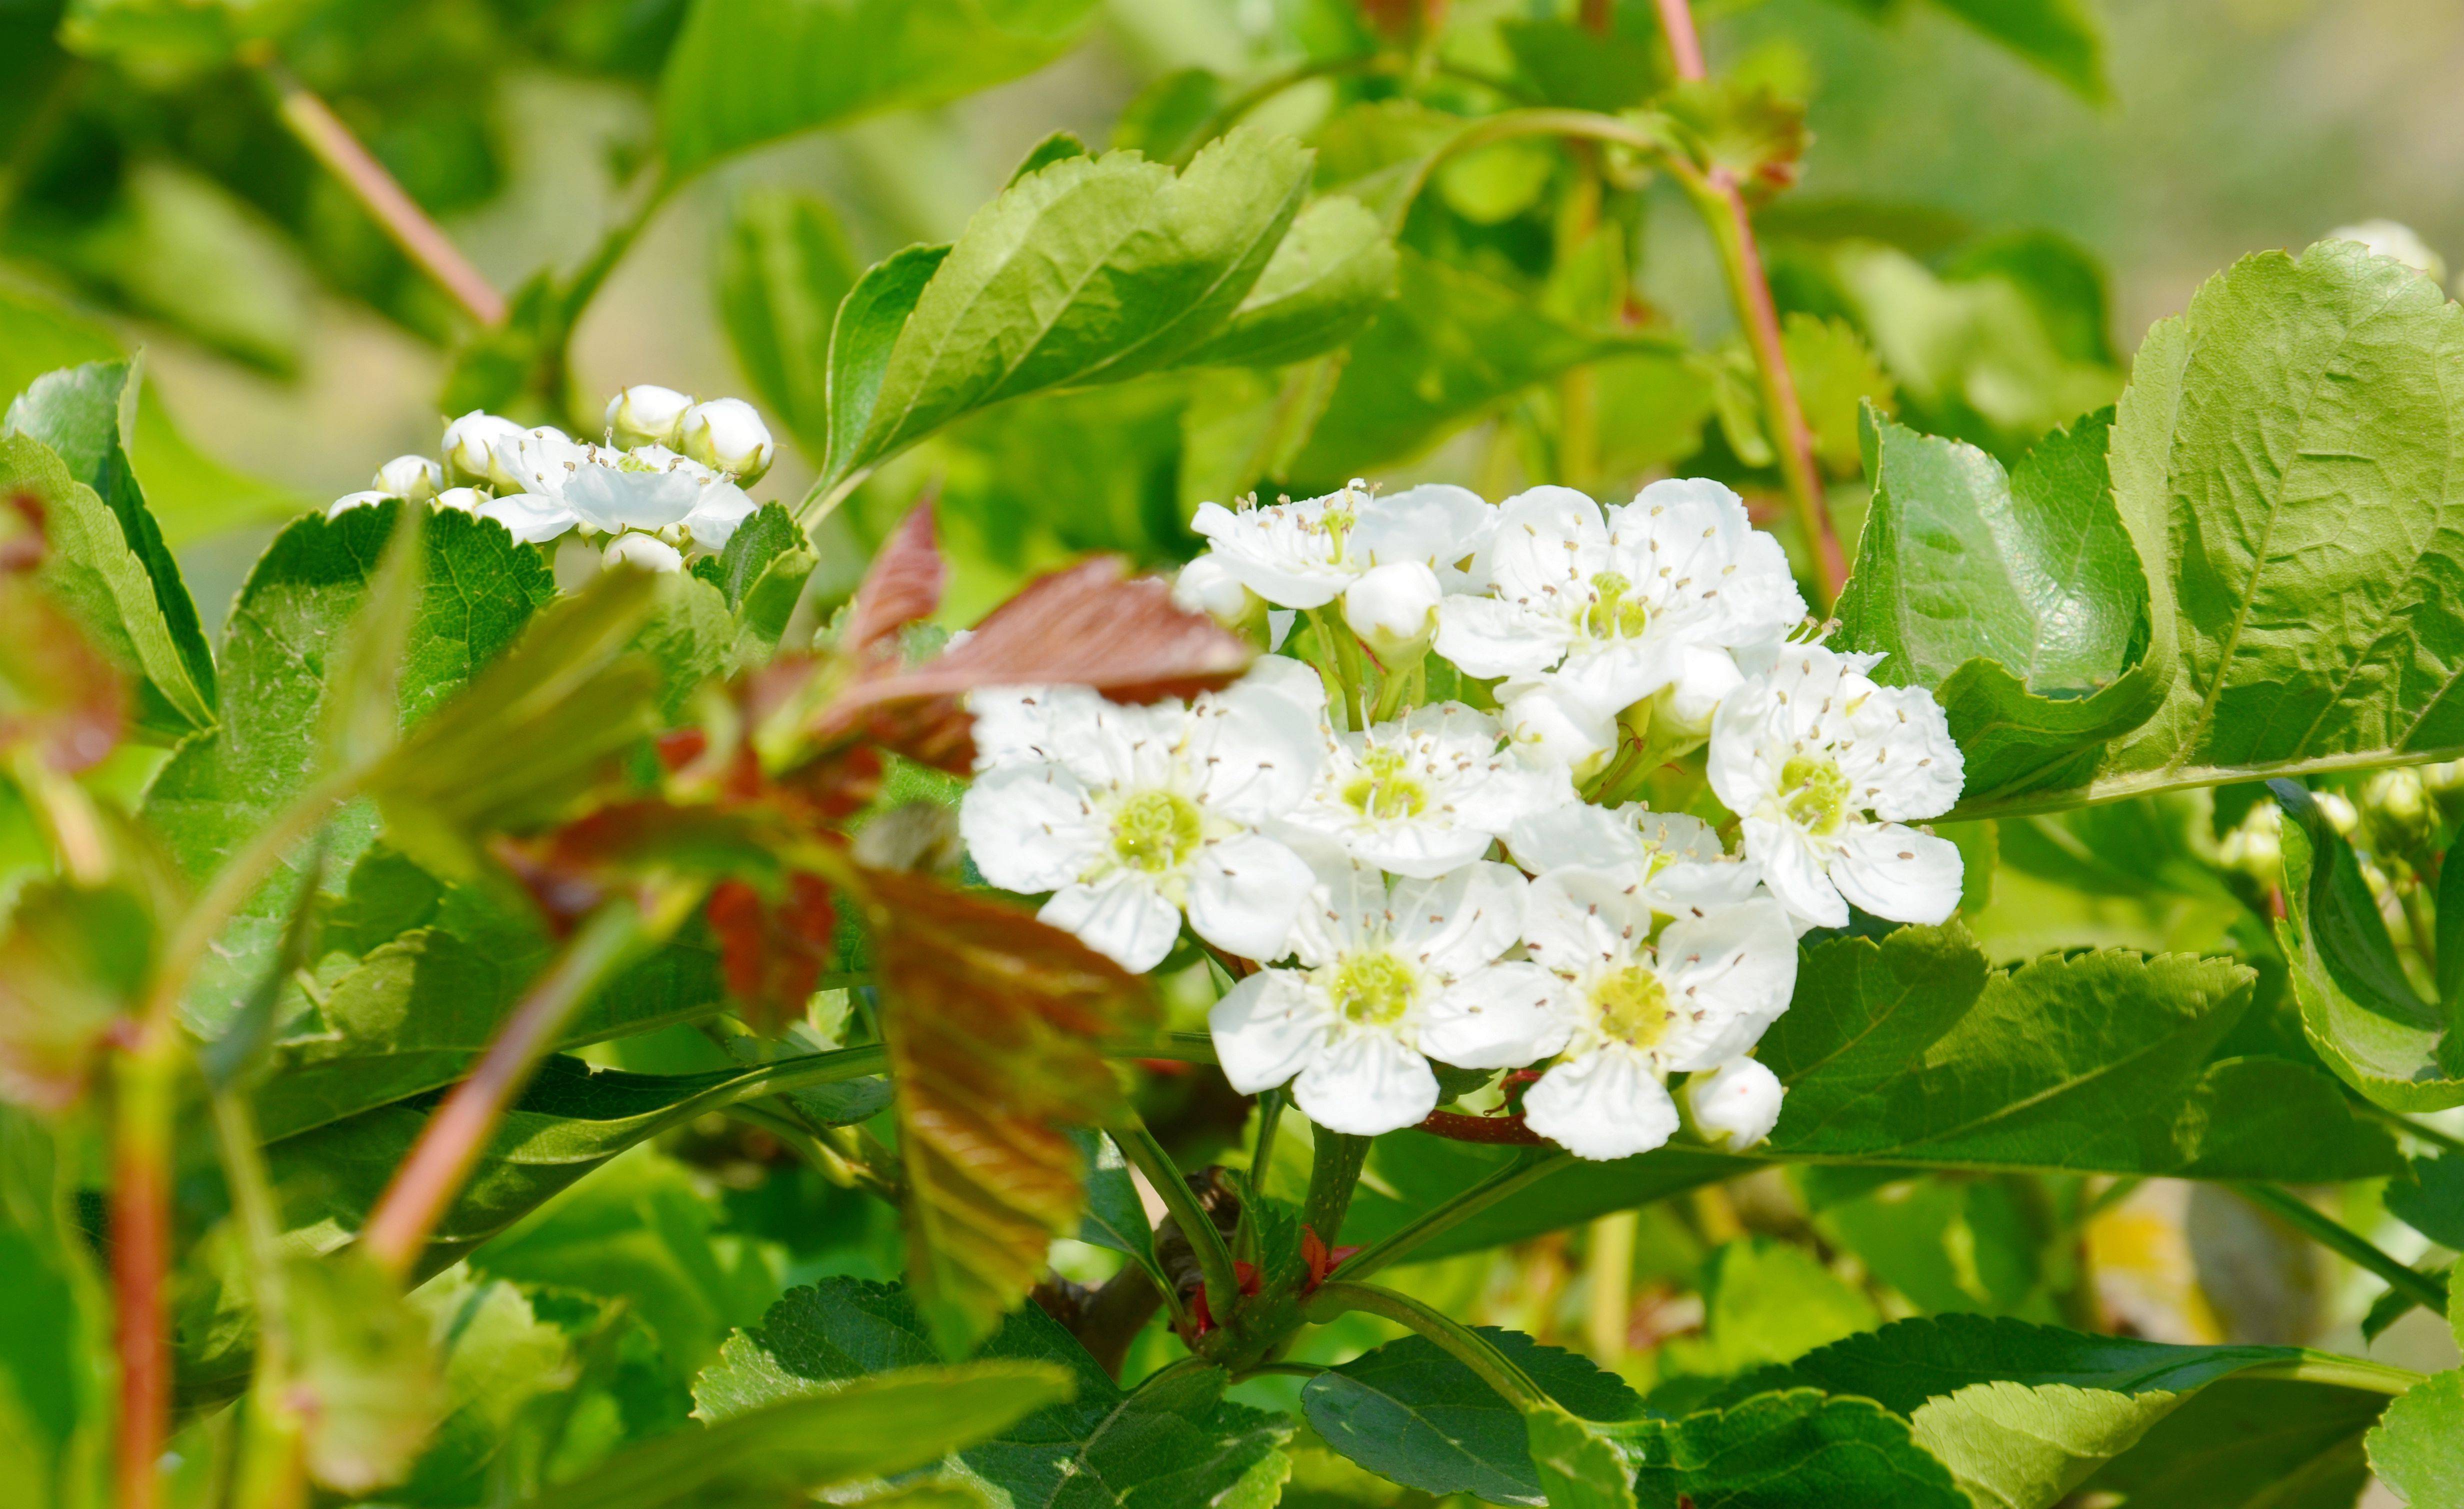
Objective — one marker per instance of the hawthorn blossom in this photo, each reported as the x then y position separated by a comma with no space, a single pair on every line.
1632,1009
1130,816
571,484
1605,609
1305,554
1825,768
1427,792
1387,973
1674,859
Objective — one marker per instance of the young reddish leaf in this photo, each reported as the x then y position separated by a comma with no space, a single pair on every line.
904,583
571,869
992,1023
773,953
61,700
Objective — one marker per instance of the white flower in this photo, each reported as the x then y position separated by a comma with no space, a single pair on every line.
647,552
530,518
1674,859
1560,729
606,491
1385,977
727,435
1427,792
414,479
1632,1009
1736,1104
1304,555
646,414
1130,816
471,448
1824,768
1602,607
1205,586
351,500
1394,609
461,500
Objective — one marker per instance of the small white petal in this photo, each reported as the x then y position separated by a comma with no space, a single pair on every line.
726,434
1460,921
1897,872
1267,1029
1123,918
1500,1017
1366,1084
1736,1104
350,500
646,414
643,552
1489,637
530,517
1028,828
1394,608
1245,894
1604,1105
1795,875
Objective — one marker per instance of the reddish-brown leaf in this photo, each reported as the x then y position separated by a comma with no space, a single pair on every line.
905,583
993,1024
773,952
571,869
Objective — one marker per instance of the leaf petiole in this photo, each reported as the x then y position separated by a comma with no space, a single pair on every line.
1396,1244
1466,1346
2421,1288
1145,1154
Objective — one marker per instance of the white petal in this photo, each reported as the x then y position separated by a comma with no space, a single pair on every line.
1795,875
1366,1084
1735,969
1555,729
1029,724
1544,538
1418,849
1608,679
1574,919
1500,1017
1460,921
1122,918
1245,894
717,512
1921,771
1577,834
1254,750
1706,675
1487,637
1266,1030
1028,829
529,516
1737,1104
1897,872
1604,1105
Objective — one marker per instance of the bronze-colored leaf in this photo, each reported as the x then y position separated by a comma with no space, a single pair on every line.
773,950
904,583
993,1021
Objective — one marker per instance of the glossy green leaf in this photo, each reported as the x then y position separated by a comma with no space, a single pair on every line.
1330,274
2250,1441
783,268
1797,1450
2019,601
1409,1411
745,72
1170,1444
2358,1009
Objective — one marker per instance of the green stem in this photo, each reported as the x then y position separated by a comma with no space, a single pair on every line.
1145,1154
1395,685
1512,1384
2345,1373
2421,1288
1334,1173
1398,1244
272,1473
1336,636
1270,1120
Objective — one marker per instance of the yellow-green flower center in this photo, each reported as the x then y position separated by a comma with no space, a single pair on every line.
1633,1006
1155,831
1372,990
1384,788
1814,793
1612,615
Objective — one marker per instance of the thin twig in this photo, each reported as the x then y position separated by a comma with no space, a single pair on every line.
2421,1288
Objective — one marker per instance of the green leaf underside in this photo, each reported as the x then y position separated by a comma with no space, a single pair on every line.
1170,1444
1909,1052
1409,1411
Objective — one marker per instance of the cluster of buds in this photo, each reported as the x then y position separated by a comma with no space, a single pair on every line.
667,477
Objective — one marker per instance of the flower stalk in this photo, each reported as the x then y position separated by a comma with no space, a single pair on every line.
1137,1144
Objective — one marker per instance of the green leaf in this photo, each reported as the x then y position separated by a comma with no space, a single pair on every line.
2019,601
1409,1411
1092,270
292,621
2431,1202
1115,1217
783,268
748,70
865,335
1766,1301
57,1373
1332,274
2358,1009
1836,377
1580,1466
1797,1450
868,1428
2065,38
364,1372
1170,1444
2256,1441
1582,69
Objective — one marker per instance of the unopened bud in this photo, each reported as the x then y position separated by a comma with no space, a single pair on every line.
471,450
2255,846
1394,608
646,414
2338,811
1737,1103
1205,586
1557,731
645,552
726,434
2398,795
351,500
413,479
461,500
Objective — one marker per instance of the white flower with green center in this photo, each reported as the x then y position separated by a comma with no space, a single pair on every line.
1427,793
1132,815
1388,976
566,484
1606,609
1633,1008
1305,554
1675,860
1826,769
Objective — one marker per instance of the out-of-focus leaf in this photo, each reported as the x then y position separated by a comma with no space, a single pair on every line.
783,268
1741,125
1328,279
363,706
2431,1202
1581,69
745,72
2020,601
1174,1444
364,1375
1409,1411
2065,38
2358,1009
497,1358
2061,279
1093,269
55,1345
1797,1450
1053,148
868,1428
71,963
773,950
1836,378
1766,1301
1163,119
993,1021
1653,407
64,704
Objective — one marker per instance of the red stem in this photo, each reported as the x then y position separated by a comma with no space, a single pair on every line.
141,1246
1504,1130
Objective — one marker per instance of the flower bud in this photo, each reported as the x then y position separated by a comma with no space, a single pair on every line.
644,552
414,479
471,450
647,415
727,435
351,500
1205,586
1737,1103
1394,608
1559,731
2338,809
2398,796
2255,847
461,500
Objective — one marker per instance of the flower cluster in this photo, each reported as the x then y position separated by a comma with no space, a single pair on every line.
670,475
1399,882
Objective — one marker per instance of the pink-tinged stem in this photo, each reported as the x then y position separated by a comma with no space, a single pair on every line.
313,121
1723,203
140,1247
450,1145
